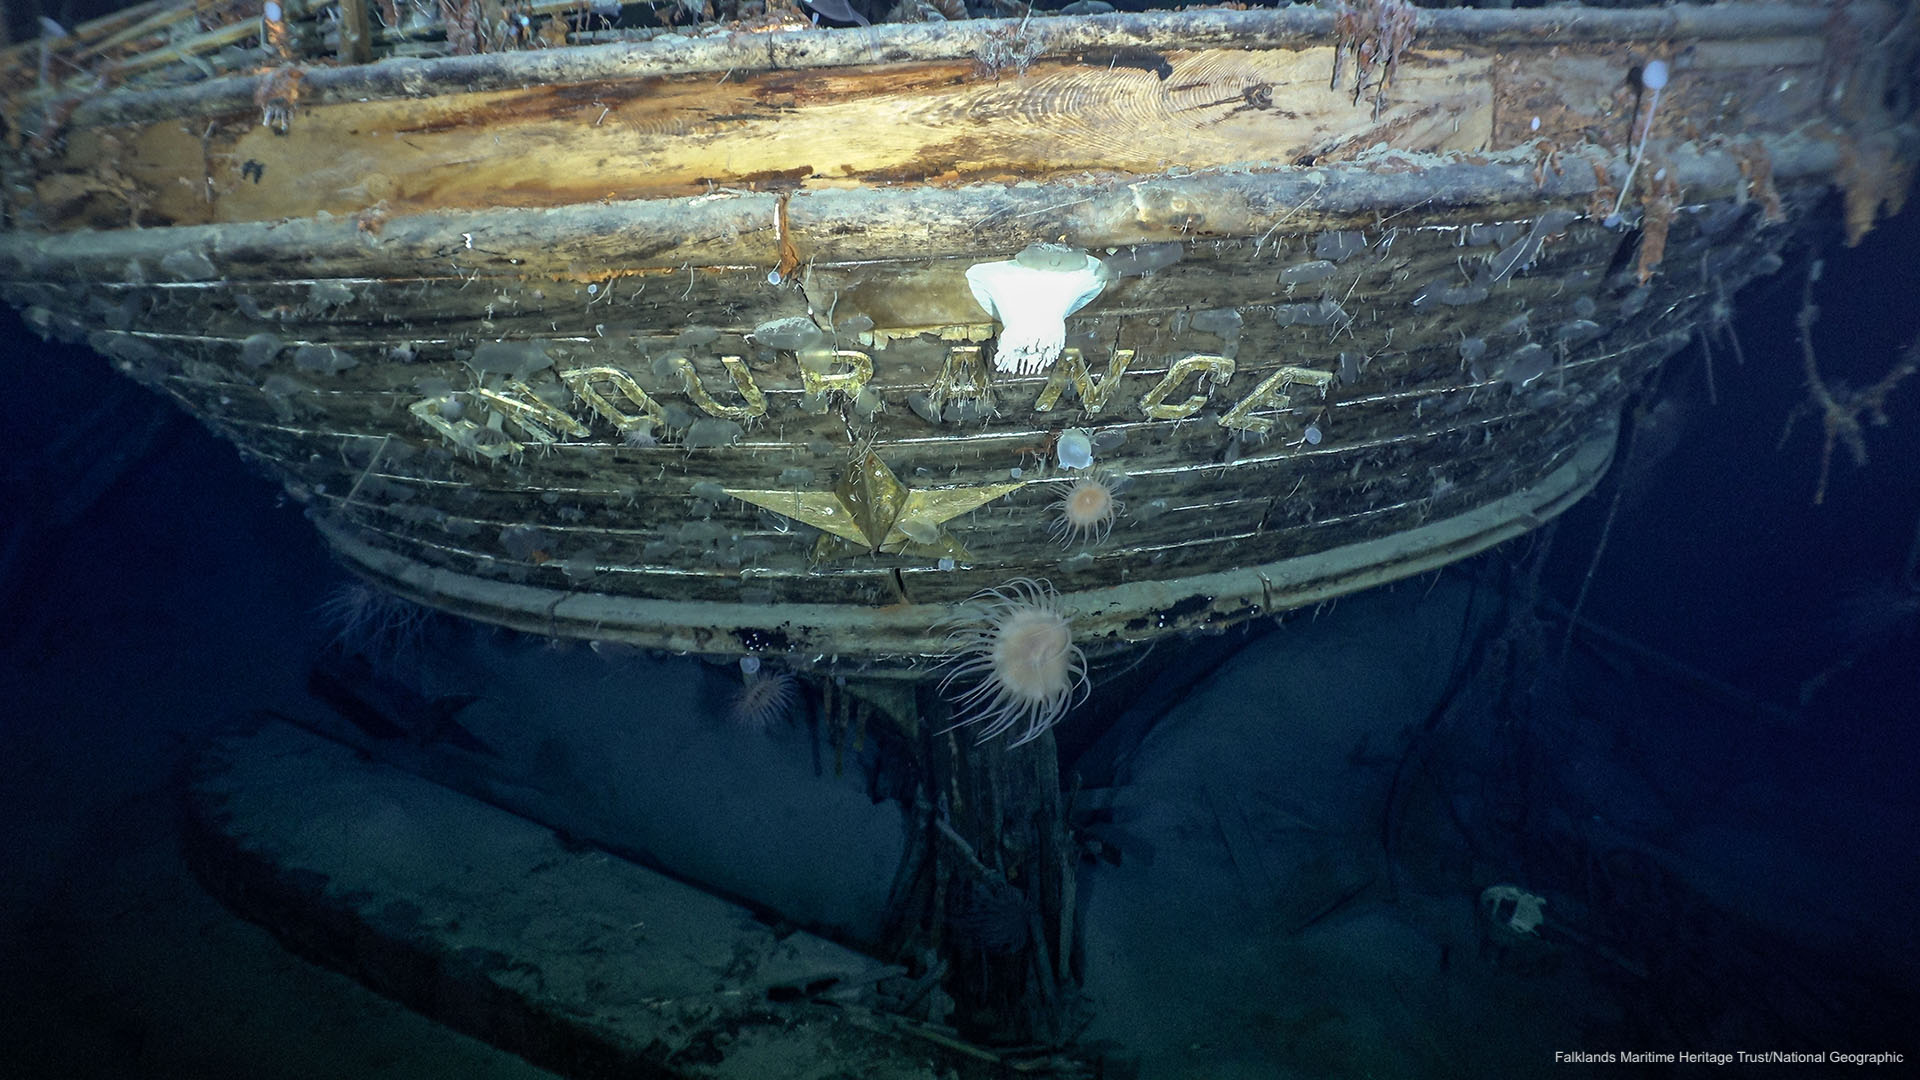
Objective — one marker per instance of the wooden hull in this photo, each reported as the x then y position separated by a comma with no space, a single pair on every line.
673,343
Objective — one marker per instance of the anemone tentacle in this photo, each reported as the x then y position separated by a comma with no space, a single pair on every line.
1015,645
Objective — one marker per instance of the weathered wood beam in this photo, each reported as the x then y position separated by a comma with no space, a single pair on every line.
907,42
832,224
356,32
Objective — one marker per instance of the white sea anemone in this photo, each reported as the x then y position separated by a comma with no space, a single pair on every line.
1016,645
764,698
372,622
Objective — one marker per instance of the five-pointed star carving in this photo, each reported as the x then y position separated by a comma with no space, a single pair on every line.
870,510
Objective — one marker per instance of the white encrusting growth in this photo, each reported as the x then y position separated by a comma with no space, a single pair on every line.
1031,295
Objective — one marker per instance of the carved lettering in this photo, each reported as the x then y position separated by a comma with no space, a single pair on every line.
1271,394
850,380
1072,368
964,377
528,413
582,382
756,402
1210,370
463,434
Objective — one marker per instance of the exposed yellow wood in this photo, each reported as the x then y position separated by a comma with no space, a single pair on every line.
554,145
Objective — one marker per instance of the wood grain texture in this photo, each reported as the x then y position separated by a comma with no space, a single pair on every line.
643,138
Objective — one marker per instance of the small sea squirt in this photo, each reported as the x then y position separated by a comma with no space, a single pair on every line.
1074,449
1015,644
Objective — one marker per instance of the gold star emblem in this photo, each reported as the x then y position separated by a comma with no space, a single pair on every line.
870,510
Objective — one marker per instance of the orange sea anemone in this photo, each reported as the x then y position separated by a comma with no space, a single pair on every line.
1016,645
1085,513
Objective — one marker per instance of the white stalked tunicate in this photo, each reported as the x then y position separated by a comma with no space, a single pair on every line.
1075,449
1031,295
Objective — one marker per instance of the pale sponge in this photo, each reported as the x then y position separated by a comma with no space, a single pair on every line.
1031,295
